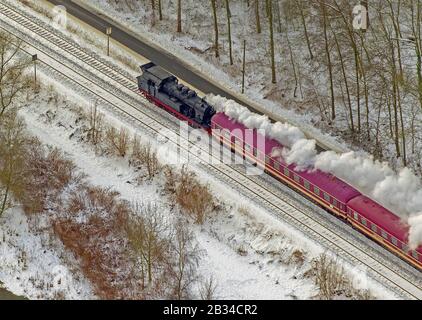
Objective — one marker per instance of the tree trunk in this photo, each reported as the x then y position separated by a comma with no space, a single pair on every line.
179,16
305,28
257,18
5,198
416,32
229,31
214,11
346,82
270,21
160,11
329,63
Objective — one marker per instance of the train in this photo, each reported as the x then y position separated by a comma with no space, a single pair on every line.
328,191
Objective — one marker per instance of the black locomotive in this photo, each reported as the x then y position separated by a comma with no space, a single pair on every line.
164,89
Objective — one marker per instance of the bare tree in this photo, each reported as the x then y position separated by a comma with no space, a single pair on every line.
147,232
257,18
325,24
160,10
272,52
345,79
187,255
415,10
207,289
305,28
144,155
214,12
229,31
12,159
117,141
153,12
95,125
12,69
179,16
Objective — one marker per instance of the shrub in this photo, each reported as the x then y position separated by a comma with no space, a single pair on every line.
329,276
145,156
47,173
194,198
98,241
117,141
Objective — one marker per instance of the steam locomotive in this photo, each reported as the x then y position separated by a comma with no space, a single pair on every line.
164,89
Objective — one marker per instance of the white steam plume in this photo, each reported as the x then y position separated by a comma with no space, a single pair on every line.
401,193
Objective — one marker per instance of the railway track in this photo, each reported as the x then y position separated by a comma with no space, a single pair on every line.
99,79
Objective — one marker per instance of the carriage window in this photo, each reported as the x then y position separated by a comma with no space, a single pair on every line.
248,148
356,216
316,190
227,134
364,221
286,172
267,159
415,254
276,165
297,178
254,152
326,197
384,234
307,184
374,228
394,241
405,248
334,202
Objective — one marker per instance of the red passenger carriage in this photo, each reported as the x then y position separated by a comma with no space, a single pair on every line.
324,188
384,226
327,190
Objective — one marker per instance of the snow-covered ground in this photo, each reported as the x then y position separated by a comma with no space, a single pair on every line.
245,250
35,266
243,237
253,273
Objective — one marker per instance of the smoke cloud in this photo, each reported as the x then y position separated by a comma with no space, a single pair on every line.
400,192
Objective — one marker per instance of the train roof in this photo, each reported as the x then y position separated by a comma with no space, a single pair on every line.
238,130
337,188
159,72
381,216
328,183
156,73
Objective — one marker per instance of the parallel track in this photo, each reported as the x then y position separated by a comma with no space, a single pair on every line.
93,75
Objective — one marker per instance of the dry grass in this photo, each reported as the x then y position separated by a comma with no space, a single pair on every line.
96,123
243,210
47,173
98,241
143,156
297,257
194,198
117,141
208,288
333,282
